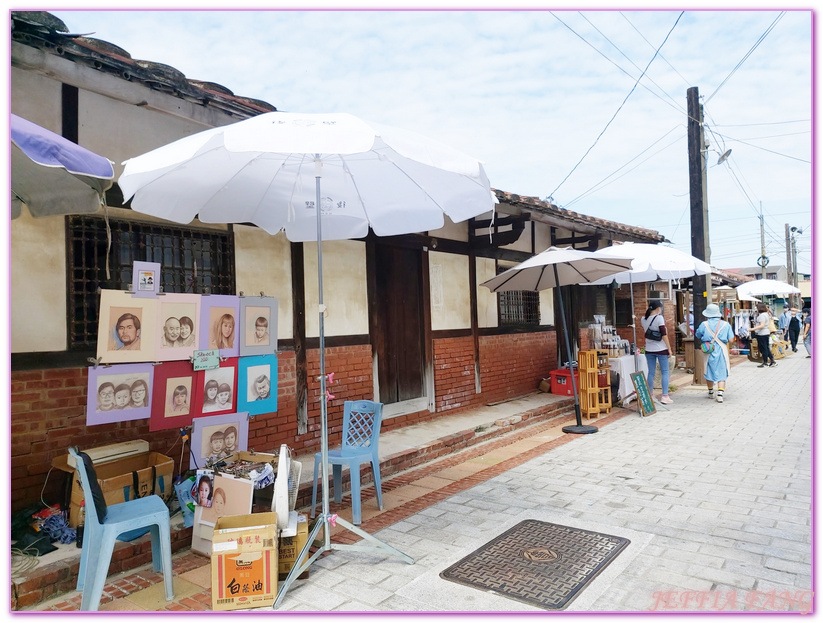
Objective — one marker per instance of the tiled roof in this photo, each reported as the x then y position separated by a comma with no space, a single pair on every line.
43,30
608,228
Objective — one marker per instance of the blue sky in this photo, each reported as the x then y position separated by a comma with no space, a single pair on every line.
530,92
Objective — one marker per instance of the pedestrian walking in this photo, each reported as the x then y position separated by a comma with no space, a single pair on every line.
657,347
762,330
794,328
807,331
715,334
783,322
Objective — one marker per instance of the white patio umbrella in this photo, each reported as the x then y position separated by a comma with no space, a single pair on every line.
275,170
766,287
651,262
559,267
52,175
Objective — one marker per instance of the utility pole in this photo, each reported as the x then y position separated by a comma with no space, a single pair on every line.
763,261
701,284
790,268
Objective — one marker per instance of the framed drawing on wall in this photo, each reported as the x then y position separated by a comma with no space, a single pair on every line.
257,384
119,393
126,328
258,325
218,388
175,397
217,436
179,322
145,279
219,324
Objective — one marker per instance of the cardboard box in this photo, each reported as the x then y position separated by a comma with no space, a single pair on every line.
244,562
291,546
117,480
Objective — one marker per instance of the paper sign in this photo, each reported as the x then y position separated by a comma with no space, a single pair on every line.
206,359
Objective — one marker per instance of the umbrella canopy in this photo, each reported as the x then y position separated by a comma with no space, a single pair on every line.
766,287
316,177
653,262
740,297
558,267
263,171
52,175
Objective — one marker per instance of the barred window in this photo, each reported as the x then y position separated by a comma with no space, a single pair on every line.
191,260
520,307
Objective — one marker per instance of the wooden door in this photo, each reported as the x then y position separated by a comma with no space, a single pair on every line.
398,323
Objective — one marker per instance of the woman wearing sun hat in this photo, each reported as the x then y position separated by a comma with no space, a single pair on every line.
715,333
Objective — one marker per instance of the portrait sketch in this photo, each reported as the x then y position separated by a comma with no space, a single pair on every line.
258,330
218,388
145,279
125,329
232,496
219,436
257,384
219,324
175,399
119,393
179,323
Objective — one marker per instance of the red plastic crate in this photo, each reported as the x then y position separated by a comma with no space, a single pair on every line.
561,382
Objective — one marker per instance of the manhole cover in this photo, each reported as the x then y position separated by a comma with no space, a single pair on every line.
541,564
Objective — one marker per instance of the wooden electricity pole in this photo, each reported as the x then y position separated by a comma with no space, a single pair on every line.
701,284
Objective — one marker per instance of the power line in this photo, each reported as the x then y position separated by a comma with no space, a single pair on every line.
663,58
621,105
748,125
746,56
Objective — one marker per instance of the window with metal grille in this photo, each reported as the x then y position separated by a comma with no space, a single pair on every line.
520,307
191,260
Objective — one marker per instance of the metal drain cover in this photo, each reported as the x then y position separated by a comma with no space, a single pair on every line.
539,563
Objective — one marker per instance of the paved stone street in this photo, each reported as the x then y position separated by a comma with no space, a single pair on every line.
715,498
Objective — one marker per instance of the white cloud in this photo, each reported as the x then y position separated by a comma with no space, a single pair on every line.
528,96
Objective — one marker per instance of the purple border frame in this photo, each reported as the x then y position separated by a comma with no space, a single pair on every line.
94,417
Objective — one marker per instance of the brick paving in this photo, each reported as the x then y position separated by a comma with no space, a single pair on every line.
716,499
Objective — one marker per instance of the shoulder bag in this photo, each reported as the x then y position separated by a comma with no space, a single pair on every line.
652,334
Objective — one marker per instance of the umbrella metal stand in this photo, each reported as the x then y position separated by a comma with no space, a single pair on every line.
578,428
326,519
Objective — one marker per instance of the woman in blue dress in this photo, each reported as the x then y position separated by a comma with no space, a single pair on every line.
718,332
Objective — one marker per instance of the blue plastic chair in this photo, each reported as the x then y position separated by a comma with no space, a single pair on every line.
361,430
99,537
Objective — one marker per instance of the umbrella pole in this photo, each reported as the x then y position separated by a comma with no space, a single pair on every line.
326,519
634,336
579,428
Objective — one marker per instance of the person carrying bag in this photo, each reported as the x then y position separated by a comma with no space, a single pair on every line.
715,334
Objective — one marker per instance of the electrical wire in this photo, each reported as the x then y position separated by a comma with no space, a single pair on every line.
746,56
663,58
621,105
678,107
602,183
584,40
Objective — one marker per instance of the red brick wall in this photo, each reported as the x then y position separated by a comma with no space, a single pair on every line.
513,365
454,385
48,406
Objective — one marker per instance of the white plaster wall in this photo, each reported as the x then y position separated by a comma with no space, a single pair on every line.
542,237
263,264
38,284
547,307
344,288
486,299
119,130
449,288
36,98
452,231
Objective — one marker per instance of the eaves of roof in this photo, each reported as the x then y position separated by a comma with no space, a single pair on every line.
42,30
579,222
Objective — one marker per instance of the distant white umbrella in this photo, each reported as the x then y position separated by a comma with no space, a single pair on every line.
559,267
766,287
653,262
